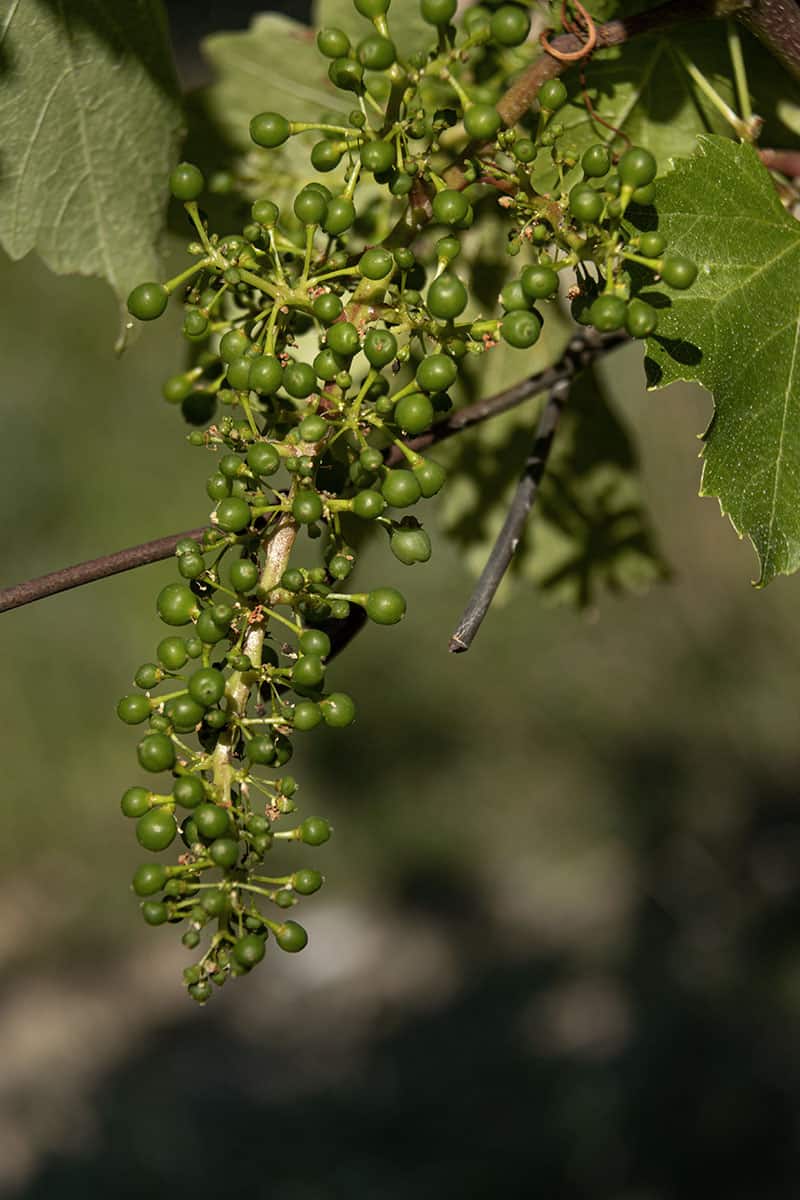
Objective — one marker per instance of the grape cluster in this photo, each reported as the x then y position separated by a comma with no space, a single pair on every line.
322,339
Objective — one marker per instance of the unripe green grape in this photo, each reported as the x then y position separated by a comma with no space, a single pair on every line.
299,380
315,641
380,347
156,752
310,207
307,715
326,155
292,580
377,156
313,428
212,822
327,365
376,52
149,879
265,212
510,25
368,504
290,936
135,802
238,375
184,713
641,319
261,749
436,373
177,388
410,546
206,686
400,488
265,374
333,43
154,912
448,249
449,207
224,852
308,671
438,12
269,129
305,881
186,181
513,297
306,507
217,486
414,413
430,476
230,466
233,514
249,950
375,263
233,345
447,297
645,195
385,606
524,150
148,301
343,339
172,652
263,458
371,459
608,313
585,203
596,161
482,122
147,676
346,74
156,829
207,629
539,282
314,831
552,95
678,272
340,216
338,710
191,566
188,791
195,324
176,604
637,167
521,329
133,709
327,308
372,8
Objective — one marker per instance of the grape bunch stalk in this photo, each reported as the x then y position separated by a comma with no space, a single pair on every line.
322,340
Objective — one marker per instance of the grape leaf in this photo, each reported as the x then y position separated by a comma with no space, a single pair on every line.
91,129
642,88
588,528
737,331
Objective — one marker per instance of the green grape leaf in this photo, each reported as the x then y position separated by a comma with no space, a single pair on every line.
737,331
92,129
588,529
642,88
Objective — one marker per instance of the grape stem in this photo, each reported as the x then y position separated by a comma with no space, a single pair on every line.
584,347
558,379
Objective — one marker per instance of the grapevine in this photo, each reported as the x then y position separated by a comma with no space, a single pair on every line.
322,343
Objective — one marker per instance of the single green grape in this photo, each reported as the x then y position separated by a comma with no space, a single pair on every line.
380,347
333,43
596,161
521,329
305,882
510,25
400,488
482,122
652,244
310,207
156,829
269,129
249,950
212,821
135,802
339,218
375,263
149,879
637,167
148,301
186,181
376,52
377,156
188,791
608,313
447,297
552,95
306,507
224,852
263,458
314,831
414,414
338,710
233,514
641,319
449,207
436,373
290,936
585,203
410,545
368,504
244,575
133,709
679,272
539,282
307,715
438,12
156,752
327,308
385,606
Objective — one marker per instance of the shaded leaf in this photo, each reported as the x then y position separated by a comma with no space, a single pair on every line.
91,131
588,529
737,331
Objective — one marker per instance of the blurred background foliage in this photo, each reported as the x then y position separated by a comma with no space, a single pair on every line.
558,949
